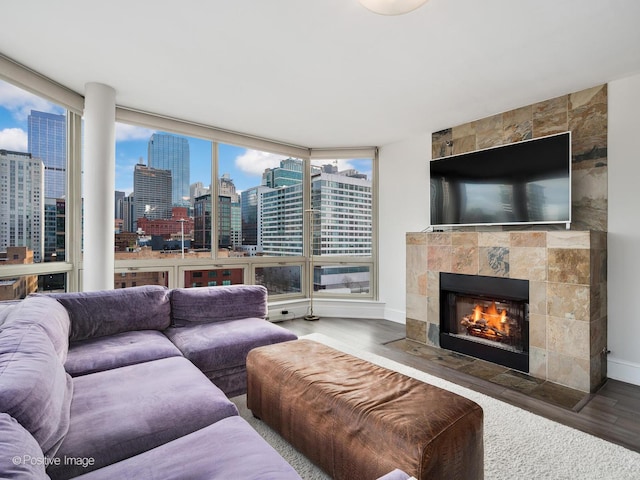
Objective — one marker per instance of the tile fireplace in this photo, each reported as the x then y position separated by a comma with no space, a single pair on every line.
566,306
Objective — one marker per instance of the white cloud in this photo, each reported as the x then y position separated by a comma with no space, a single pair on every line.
342,163
345,164
20,102
13,139
126,132
254,162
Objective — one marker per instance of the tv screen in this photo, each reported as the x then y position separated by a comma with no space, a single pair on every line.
524,182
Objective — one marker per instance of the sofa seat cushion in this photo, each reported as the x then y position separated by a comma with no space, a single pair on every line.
223,345
106,312
34,388
228,449
214,304
119,350
123,412
20,455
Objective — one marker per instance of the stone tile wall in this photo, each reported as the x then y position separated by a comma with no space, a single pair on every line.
584,113
567,292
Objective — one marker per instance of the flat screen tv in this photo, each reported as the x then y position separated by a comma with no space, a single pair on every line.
519,183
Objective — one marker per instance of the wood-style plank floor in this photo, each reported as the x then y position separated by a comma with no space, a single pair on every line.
612,413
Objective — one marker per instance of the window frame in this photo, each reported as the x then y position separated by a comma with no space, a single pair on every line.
32,82
37,84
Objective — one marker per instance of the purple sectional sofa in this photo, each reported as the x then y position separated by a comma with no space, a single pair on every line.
110,385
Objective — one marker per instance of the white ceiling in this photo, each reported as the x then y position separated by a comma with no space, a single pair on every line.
325,73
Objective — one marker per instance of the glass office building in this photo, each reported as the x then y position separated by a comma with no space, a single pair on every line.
171,152
47,140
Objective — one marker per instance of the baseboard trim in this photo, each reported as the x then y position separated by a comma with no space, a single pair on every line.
333,307
393,315
623,370
348,308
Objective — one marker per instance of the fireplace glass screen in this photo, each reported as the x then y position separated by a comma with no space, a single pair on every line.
498,323
486,317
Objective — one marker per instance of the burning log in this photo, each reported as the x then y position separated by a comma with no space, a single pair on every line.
489,324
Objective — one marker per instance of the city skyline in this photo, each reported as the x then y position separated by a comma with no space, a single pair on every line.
244,166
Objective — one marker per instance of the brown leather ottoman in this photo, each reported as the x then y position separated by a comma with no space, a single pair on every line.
356,420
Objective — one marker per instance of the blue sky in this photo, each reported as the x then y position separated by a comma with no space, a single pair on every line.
245,166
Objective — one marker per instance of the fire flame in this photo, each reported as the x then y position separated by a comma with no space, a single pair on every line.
491,315
495,318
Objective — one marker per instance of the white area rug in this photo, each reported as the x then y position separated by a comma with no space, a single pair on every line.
517,444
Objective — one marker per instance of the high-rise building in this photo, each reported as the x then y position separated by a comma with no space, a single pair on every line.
288,173
197,189
118,204
202,222
281,221
343,201
128,220
61,218
251,207
228,215
171,152
21,195
47,140
341,227
226,187
151,192
49,229
279,218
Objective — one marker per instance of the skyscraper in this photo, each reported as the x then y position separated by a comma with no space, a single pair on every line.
279,217
228,188
128,208
170,152
151,193
47,140
251,203
344,201
118,204
21,187
288,173
281,221
202,222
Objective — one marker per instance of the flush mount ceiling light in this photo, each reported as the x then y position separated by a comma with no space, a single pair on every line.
392,7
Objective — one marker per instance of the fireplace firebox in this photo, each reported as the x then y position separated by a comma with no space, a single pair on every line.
486,317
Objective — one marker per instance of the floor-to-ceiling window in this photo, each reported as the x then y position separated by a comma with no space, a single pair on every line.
194,205
163,205
266,218
34,164
342,223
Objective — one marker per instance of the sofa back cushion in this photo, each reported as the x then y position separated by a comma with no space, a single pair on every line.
107,312
34,388
20,455
212,304
49,315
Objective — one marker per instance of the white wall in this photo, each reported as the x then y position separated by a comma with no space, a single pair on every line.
403,207
404,203
624,231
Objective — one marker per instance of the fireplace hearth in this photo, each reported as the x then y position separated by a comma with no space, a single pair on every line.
486,317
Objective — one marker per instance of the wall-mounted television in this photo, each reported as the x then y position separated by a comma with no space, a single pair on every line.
527,182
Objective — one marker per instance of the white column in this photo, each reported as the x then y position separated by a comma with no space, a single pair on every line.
99,186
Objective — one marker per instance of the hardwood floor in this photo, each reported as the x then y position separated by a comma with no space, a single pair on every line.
612,413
